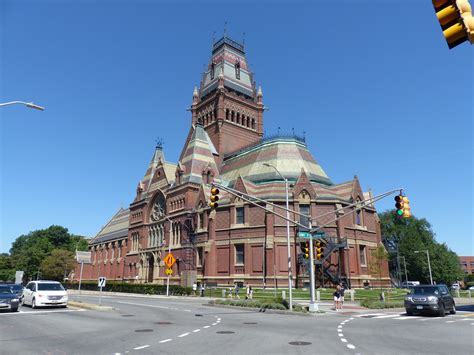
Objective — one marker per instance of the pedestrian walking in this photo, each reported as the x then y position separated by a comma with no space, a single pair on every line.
250,292
247,294
341,292
337,298
237,291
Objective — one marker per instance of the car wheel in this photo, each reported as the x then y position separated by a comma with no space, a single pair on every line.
453,311
409,312
442,311
33,303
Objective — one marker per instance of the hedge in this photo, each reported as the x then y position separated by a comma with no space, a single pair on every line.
368,303
150,289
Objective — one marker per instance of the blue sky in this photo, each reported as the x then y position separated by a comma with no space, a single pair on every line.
372,83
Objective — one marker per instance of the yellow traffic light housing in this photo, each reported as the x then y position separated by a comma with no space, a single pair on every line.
214,198
456,21
305,249
319,250
402,205
406,207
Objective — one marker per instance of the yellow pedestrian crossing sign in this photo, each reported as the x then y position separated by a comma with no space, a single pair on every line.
169,271
169,260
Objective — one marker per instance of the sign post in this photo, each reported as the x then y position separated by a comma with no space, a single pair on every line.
169,261
102,281
82,257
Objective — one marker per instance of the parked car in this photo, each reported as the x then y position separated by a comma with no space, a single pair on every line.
17,289
44,293
8,299
471,288
407,284
429,298
455,286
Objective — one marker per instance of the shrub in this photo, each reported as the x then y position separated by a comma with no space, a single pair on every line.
151,289
373,304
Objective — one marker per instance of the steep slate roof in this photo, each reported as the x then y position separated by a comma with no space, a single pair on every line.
288,155
226,53
116,228
158,157
198,155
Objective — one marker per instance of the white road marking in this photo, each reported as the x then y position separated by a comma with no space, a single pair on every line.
183,335
196,330
187,310
340,334
450,321
407,317
165,341
142,304
463,319
49,311
351,318
141,347
339,330
350,346
214,323
339,326
343,340
206,326
219,319
387,316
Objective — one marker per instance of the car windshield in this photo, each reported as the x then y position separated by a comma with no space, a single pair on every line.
50,287
428,290
5,290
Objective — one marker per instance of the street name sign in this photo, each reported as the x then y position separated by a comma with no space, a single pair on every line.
304,234
316,235
169,260
102,281
319,235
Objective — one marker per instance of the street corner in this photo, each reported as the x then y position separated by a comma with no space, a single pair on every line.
90,306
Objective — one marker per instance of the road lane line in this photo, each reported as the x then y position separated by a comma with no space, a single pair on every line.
339,326
343,340
339,330
407,317
142,304
165,341
340,334
183,335
450,321
214,323
141,347
196,330
387,316
206,326
350,346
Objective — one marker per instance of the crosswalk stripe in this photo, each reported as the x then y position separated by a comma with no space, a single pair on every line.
388,316
407,317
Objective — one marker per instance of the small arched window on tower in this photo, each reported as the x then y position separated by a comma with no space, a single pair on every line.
237,69
253,123
213,67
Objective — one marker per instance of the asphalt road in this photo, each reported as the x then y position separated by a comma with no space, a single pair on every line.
186,326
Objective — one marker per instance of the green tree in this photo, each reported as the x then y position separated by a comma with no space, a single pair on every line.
7,272
28,251
57,265
378,258
403,236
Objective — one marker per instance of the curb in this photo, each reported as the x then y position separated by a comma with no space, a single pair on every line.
90,306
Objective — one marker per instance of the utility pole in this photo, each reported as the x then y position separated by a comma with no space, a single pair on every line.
313,307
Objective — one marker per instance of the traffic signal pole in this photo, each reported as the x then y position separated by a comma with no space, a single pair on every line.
313,306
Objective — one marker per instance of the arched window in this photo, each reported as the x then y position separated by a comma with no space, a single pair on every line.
253,123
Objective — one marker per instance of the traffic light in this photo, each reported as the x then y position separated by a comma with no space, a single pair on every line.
402,204
305,249
319,250
455,18
214,197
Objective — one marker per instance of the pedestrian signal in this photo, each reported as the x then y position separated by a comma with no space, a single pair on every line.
214,198
319,250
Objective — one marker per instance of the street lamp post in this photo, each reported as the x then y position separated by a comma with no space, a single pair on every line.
290,276
27,104
405,264
429,264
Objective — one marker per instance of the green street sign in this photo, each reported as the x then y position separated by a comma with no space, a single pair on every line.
319,235
304,234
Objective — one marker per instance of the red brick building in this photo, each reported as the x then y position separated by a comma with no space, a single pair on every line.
467,264
237,242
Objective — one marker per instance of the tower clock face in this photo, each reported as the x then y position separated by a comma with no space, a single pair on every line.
159,209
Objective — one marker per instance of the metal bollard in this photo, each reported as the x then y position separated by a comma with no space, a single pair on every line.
469,293
352,295
318,296
223,293
283,294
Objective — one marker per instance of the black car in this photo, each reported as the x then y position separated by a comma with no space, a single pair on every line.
429,298
8,299
16,288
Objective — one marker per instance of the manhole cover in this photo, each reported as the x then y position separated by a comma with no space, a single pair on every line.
250,322
198,315
143,330
225,332
128,315
299,343
163,323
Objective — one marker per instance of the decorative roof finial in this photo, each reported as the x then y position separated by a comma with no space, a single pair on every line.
195,92
259,93
159,143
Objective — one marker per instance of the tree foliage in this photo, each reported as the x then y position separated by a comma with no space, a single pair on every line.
57,265
402,236
7,272
28,251
378,258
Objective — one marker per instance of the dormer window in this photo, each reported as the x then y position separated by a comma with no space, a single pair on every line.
213,67
237,70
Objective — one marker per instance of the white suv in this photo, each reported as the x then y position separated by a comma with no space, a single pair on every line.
44,293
